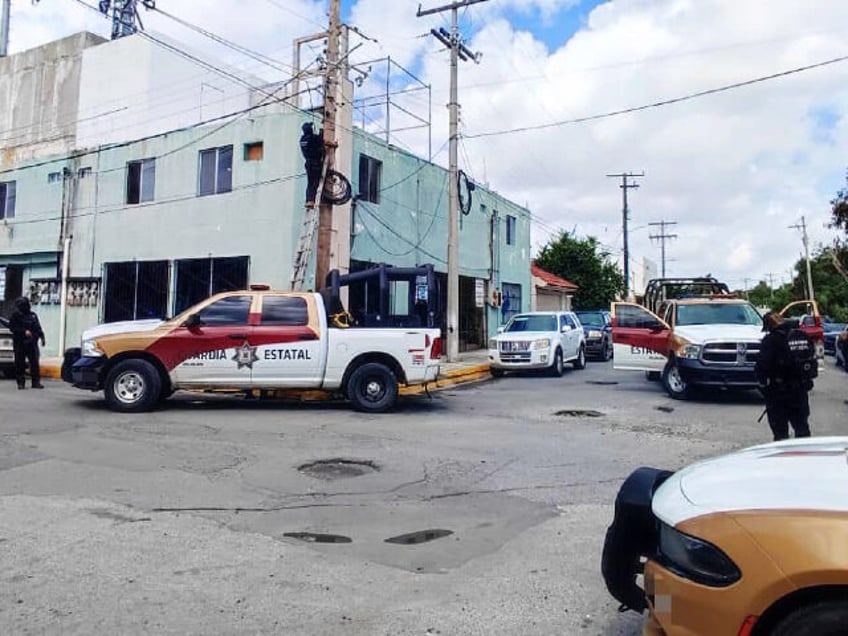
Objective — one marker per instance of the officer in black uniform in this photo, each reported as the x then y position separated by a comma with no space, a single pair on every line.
312,147
26,332
784,388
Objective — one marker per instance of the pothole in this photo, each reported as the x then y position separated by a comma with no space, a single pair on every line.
422,536
579,413
602,382
314,537
665,409
338,468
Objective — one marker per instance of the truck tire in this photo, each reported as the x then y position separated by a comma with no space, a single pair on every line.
496,373
373,388
556,369
132,386
826,618
674,384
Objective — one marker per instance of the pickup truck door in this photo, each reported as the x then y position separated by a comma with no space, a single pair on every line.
218,351
289,342
640,338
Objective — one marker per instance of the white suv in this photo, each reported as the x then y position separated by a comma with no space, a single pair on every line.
538,340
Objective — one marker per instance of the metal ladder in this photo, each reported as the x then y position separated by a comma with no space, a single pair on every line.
306,244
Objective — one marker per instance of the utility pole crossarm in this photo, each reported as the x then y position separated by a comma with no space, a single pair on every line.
662,237
447,7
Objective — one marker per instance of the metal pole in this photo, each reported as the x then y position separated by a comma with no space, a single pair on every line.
807,257
325,210
5,17
388,99
453,203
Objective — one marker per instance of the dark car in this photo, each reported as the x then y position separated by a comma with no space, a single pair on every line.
597,325
831,333
7,352
841,348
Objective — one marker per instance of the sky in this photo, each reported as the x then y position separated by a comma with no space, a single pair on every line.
732,169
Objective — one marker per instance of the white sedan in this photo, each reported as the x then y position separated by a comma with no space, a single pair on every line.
538,340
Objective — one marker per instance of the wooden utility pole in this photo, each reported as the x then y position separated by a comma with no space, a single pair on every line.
803,227
625,216
331,86
458,51
662,237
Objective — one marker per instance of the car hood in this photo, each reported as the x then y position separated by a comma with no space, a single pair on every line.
128,326
724,332
772,476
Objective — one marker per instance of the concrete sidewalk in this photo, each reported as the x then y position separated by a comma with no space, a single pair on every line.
472,366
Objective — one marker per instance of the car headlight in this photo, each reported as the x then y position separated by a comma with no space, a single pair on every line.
90,349
696,559
690,351
595,334
542,344
493,344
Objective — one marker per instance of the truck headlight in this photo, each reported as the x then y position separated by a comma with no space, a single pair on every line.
542,344
696,559
493,344
90,349
690,351
595,334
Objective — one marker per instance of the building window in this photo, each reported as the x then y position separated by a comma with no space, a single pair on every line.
510,230
216,171
141,180
84,173
54,177
7,199
510,301
199,278
254,151
136,290
369,178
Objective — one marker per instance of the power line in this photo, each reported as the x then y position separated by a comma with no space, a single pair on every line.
666,102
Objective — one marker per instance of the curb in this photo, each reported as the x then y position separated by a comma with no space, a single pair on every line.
52,368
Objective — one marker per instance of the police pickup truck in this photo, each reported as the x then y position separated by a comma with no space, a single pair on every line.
253,339
693,333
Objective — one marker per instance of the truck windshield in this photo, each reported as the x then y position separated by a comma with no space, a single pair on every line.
718,314
532,323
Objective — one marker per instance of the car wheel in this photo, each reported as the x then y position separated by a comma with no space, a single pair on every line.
674,383
607,354
373,388
496,373
556,368
827,618
132,386
580,362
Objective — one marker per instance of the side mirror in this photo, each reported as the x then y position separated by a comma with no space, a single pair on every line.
565,328
193,321
500,329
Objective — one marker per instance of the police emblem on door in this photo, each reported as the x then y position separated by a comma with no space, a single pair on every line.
245,356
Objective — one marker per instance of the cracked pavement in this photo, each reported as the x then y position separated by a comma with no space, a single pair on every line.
174,522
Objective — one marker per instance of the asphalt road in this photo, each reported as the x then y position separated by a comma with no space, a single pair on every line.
176,522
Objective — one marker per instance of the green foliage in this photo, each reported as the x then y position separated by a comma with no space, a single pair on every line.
839,209
583,262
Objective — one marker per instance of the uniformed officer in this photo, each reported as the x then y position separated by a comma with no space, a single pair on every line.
26,332
312,147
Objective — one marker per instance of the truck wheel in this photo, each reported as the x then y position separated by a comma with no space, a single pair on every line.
556,368
827,618
606,356
496,373
580,362
674,383
132,386
373,388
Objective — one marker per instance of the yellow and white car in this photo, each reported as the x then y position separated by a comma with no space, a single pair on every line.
754,543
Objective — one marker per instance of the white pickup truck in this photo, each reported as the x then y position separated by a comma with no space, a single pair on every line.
253,339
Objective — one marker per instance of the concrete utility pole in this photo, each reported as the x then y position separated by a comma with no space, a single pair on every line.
331,84
625,215
803,227
5,17
662,237
458,51
770,277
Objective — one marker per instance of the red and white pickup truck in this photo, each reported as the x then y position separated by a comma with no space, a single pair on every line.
253,339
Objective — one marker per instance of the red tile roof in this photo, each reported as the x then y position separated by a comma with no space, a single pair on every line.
551,279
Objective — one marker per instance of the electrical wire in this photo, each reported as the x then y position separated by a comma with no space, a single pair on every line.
665,102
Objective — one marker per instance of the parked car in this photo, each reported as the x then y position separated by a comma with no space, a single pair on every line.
741,544
841,346
538,340
597,324
7,352
253,339
831,332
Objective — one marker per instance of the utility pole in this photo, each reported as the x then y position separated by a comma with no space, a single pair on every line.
770,277
625,215
5,17
803,227
662,237
747,295
458,51
331,84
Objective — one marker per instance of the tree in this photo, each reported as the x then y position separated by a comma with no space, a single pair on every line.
586,264
839,221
